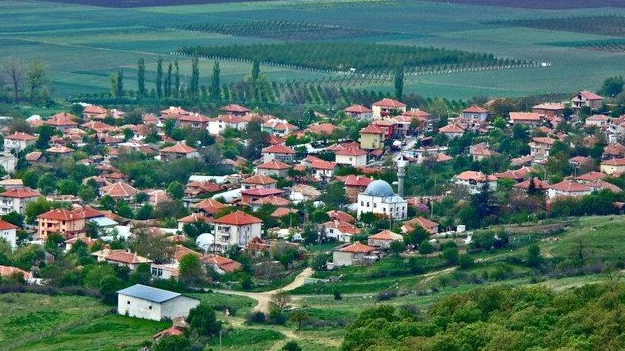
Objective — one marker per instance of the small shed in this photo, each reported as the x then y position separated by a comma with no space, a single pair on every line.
151,303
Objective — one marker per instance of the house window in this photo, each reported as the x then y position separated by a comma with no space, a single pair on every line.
127,302
150,307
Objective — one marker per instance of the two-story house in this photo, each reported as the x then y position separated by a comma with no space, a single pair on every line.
15,200
236,229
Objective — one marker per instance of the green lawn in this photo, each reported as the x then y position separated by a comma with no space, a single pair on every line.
248,339
243,305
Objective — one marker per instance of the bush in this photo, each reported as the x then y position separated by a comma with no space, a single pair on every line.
337,295
387,295
256,318
465,262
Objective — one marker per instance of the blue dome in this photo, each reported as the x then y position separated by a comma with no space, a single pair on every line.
379,188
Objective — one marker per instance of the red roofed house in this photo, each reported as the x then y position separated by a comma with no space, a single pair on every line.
452,131
273,168
518,175
384,239
209,207
278,152
352,255
355,185
540,147
387,107
249,196
475,181
65,222
220,264
18,141
387,125
359,112
613,166
15,200
8,232
321,129
235,110
258,181
429,226
193,121
119,191
529,119
597,121
10,272
237,228
588,99
550,110
121,258
371,138
568,188
62,121
475,112
340,231
177,151
94,112
322,169
538,184
354,157
278,127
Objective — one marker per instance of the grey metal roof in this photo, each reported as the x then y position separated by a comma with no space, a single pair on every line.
379,188
149,293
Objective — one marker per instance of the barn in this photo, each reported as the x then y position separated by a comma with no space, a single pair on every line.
151,303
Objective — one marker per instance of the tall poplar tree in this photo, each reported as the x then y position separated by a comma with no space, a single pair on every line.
177,79
216,94
141,78
159,78
194,84
399,82
168,81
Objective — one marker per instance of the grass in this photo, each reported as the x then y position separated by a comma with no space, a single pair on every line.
33,322
243,305
81,50
249,339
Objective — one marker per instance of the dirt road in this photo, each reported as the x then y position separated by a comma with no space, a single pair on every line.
263,298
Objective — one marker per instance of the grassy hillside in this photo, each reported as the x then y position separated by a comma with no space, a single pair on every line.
81,49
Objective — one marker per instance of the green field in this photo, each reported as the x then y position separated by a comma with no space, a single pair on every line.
81,49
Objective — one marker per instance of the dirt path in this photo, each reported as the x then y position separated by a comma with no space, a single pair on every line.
263,298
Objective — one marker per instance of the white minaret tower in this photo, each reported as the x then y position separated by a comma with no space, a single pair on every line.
401,174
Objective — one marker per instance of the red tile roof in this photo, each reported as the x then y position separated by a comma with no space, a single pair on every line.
475,109
358,109
278,149
341,216
386,235
570,186
59,149
614,162
4,225
539,184
225,264
62,120
179,148
119,190
62,215
371,129
359,181
21,136
123,256
259,180
451,128
589,95
525,116
235,108
275,139
389,103
194,118
238,218
544,140
20,193
343,227
261,192
7,271
274,164
272,200
477,176
211,206
590,176
351,151
357,247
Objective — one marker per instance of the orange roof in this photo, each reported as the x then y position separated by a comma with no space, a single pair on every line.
261,192
259,180
343,227
570,186
274,164
360,181
278,149
20,193
514,174
7,271
539,184
238,218
614,162
475,109
371,129
389,103
21,136
357,247
59,149
226,264
544,140
351,151
95,110
194,218
235,108
589,95
34,156
62,215
282,211
554,106
180,251
451,128
322,164
211,206
477,176
179,148
417,113
194,118
124,256
4,225
590,176
341,216
272,200
322,128
119,189
62,120
358,109
386,235
172,110
525,116
275,139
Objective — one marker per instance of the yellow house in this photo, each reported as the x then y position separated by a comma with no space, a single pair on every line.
371,138
615,165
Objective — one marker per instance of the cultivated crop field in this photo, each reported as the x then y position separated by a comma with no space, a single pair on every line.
81,50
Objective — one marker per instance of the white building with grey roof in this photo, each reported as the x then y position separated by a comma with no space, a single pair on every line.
380,198
146,302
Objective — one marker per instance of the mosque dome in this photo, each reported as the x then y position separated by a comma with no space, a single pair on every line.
379,188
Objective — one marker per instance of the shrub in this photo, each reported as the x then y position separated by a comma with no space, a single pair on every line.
256,318
387,295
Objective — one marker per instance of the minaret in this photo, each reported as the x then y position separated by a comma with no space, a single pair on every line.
401,174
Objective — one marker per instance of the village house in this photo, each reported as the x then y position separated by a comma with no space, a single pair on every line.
527,119
278,152
387,125
235,110
94,112
451,131
597,121
121,258
476,181
237,228
8,232
359,112
518,175
340,231
193,121
538,184
178,151
18,141
273,168
146,302
218,124
429,225
221,264
380,198
250,196
568,188
355,185
321,169
354,157
387,107
209,207
383,239
278,127
586,99
550,110
15,200
62,121
481,151
540,147
258,181
119,191
10,272
476,113
614,166
353,255
65,222
371,137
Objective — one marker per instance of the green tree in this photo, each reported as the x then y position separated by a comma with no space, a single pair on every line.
47,183
426,248
194,84
173,343
397,247
450,255
45,134
159,78
14,218
465,262
612,86
334,195
215,92
107,203
167,84
12,70
68,187
176,92
533,256
35,208
141,79
36,79
255,70
291,346
203,321
145,212
399,82
191,271
30,178
175,190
